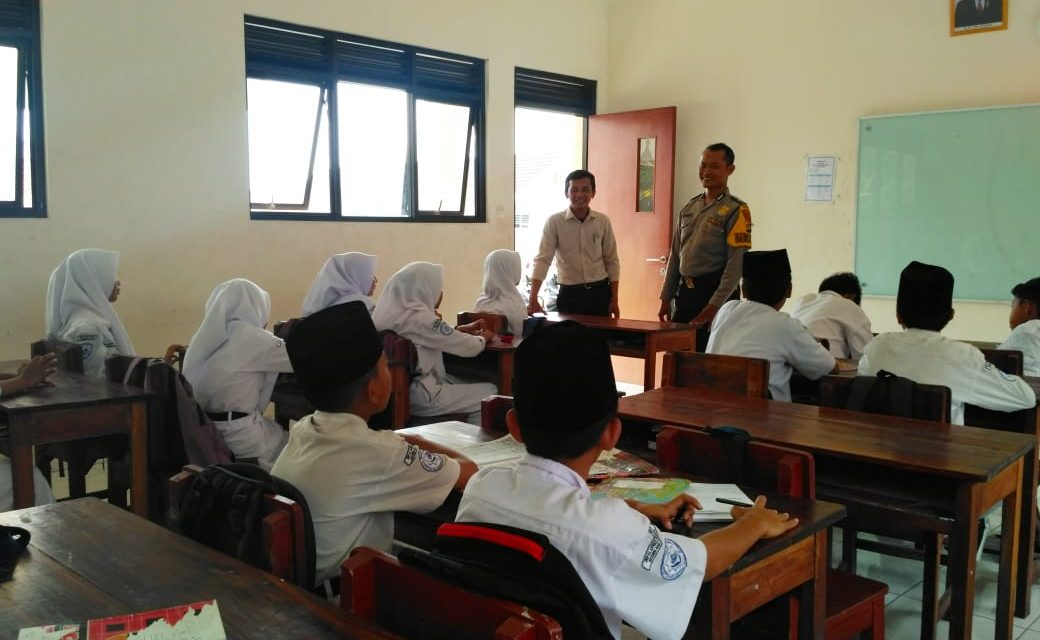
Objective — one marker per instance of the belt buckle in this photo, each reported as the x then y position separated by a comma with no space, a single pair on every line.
688,281
586,285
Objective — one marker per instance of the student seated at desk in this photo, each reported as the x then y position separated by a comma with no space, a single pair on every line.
756,328
344,277
353,477
924,306
408,307
232,364
1025,325
502,273
29,375
835,315
79,309
565,407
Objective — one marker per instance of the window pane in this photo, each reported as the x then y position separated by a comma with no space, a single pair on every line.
440,148
282,117
471,176
373,150
8,121
27,193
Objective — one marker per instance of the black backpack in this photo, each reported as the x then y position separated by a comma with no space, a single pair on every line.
886,394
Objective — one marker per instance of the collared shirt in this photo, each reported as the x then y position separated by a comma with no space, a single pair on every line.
1026,338
842,322
650,578
354,478
930,358
585,251
754,330
709,237
94,338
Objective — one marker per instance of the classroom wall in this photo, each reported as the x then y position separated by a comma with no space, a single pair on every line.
780,81
145,125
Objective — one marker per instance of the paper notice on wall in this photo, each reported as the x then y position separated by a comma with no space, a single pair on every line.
819,179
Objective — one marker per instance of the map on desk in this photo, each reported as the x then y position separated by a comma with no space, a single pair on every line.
662,490
196,621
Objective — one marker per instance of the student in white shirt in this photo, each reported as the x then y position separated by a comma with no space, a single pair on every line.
756,328
79,309
344,277
502,272
232,364
566,414
1025,325
835,315
923,307
29,375
408,307
355,478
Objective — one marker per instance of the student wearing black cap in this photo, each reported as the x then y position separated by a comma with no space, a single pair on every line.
755,327
565,413
1025,325
923,307
355,478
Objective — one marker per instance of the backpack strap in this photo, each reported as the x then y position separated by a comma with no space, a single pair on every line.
130,371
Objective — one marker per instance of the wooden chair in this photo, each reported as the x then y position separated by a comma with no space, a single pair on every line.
493,410
1024,421
405,600
931,402
1008,361
854,604
495,322
727,374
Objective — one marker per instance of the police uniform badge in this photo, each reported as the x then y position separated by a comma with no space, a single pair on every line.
740,235
431,462
673,560
723,210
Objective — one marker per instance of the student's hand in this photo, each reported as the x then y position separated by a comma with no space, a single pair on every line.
534,307
682,506
613,310
487,335
771,523
664,314
705,316
36,370
474,327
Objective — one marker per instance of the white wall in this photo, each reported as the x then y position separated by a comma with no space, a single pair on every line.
780,81
145,125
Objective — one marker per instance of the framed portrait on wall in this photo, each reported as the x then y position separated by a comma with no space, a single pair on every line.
976,16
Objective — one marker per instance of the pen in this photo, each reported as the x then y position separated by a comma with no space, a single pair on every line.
735,503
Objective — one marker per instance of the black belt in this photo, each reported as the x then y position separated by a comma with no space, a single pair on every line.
691,281
585,285
225,416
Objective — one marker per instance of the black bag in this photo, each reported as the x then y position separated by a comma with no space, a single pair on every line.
13,541
886,394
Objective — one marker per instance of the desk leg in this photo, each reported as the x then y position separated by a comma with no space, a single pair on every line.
650,362
21,461
139,453
505,373
963,543
812,609
1011,513
1027,534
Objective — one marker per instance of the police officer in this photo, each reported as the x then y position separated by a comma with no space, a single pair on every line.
707,250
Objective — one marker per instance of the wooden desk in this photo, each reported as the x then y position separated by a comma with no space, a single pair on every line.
973,468
637,338
494,365
74,407
72,572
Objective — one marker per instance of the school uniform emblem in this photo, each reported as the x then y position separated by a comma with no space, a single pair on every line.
652,549
410,454
432,462
86,344
442,327
673,561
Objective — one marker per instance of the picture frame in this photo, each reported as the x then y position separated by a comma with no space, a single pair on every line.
978,16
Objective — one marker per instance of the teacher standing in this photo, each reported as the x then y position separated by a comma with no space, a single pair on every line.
707,250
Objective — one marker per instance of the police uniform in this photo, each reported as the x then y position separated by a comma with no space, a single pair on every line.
354,479
704,260
842,322
928,357
1026,338
754,330
634,572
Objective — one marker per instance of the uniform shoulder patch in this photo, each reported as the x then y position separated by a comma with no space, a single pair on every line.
442,327
652,549
410,454
86,343
673,560
431,462
740,235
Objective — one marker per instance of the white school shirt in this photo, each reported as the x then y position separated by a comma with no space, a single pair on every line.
841,321
754,330
95,340
240,375
928,357
633,571
355,478
1026,338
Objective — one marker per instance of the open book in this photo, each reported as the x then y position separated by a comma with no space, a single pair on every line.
661,490
199,621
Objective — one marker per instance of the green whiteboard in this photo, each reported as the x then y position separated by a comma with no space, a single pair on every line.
960,189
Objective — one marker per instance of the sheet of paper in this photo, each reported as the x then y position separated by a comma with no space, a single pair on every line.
494,452
819,179
707,492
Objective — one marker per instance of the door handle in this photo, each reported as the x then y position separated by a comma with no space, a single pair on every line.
661,259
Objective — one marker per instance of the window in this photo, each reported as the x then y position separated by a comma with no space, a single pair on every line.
349,128
21,121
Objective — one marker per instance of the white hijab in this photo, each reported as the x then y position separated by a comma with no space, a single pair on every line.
408,300
502,271
345,277
236,306
82,284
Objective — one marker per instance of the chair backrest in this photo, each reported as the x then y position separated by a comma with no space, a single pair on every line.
412,602
278,535
765,466
493,410
928,402
1024,421
401,358
727,374
494,322
69,354
1011,362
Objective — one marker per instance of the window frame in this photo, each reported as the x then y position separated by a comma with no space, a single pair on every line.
20,29
328,71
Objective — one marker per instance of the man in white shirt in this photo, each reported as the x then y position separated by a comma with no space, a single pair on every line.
834,314
565,413
1025,325
355,478
582,242
923,307
756,328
